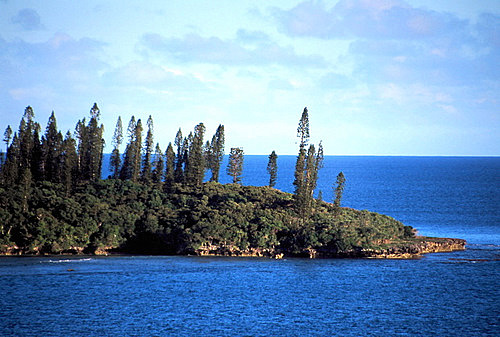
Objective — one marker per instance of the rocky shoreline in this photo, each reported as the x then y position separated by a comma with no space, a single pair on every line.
405,250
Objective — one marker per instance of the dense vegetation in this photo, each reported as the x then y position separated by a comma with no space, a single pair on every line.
52,199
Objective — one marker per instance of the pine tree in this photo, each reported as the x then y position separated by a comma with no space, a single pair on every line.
235,165
179,160
158,167
216,153
299,181
303,128
137,150
339,189
90,146
272,168
316,165
148,152
195,166
126,170
26,141
7,136
51,150
69,160
131,167
10,168
170,166
96,145
115,160
306,169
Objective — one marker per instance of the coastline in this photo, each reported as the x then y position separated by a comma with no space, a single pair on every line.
411,249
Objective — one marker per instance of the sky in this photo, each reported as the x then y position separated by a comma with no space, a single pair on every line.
379,77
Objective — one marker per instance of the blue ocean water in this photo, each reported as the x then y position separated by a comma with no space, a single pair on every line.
450,294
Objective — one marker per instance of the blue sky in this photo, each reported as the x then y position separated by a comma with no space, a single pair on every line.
379,77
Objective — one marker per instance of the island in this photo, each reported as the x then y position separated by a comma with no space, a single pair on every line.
53,200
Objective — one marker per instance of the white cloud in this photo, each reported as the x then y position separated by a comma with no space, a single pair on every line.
214,50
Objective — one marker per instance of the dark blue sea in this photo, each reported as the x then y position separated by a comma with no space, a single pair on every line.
446,294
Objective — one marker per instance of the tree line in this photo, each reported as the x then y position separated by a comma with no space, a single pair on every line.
75,159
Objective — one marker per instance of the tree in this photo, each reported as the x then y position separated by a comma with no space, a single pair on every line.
235,165
158,167
128,160
306,168
272,168
131,167
69,161
7,136
216,153
137,150
179,160
115,160
90,146
148,152
339,189
96,144
170,166
51,150
195,165
303,128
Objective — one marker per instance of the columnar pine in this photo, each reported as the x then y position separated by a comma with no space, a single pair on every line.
7,136
235,165
306,168
90,146
272,168
137,150
170,166
195,166
115,160
126,169
216,153
179,160
339,189
51,150
158,167
303,128
10,168
69,159
96,144
36,156
148,153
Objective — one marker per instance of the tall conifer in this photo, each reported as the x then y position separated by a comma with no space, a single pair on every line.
179,160
235,165
115,160
170,166
126,170
148,153
216,153
158,167
272,168
339,189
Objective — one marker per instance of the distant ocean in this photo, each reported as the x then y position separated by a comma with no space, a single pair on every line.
449,294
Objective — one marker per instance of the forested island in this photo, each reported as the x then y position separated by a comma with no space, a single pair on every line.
53,199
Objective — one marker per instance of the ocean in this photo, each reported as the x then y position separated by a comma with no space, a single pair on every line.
450,294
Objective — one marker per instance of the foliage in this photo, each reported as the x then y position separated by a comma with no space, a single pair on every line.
235,165
127,216
272,168
52,199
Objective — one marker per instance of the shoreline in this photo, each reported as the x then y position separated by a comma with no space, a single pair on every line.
411,249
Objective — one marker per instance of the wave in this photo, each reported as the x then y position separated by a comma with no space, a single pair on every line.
67,260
